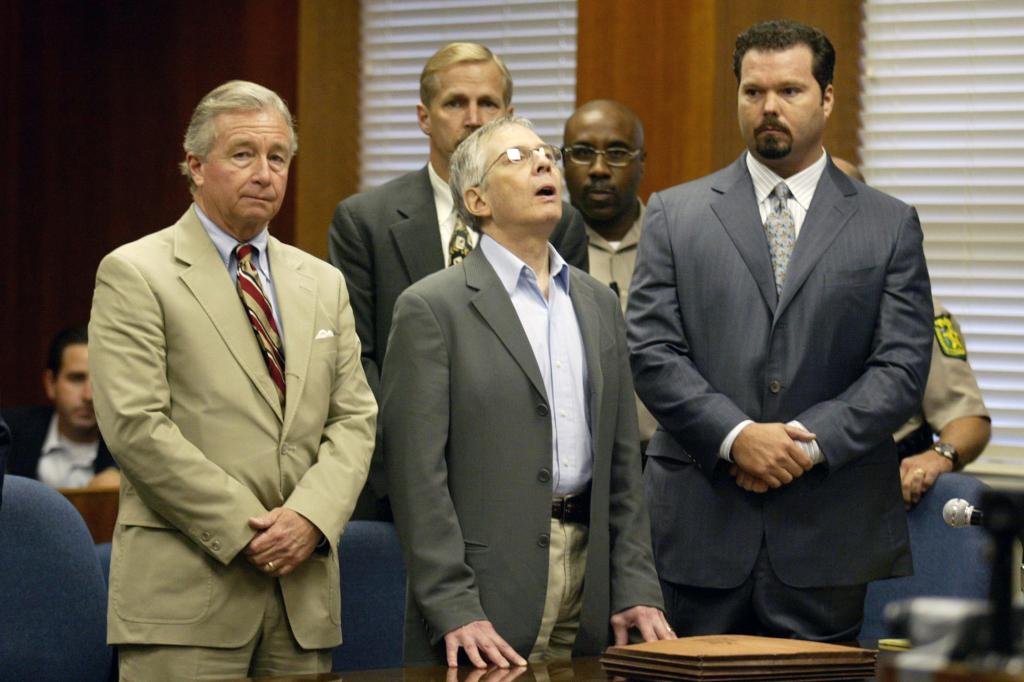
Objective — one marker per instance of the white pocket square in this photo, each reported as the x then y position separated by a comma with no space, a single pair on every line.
324,334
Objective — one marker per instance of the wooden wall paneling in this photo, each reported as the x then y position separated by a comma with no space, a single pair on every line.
656,57
671,60
328,84
840,20
101,95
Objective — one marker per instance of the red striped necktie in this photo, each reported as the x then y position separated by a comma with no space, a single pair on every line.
260,315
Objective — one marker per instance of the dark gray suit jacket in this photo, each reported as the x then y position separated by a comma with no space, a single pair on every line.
845,350
467,442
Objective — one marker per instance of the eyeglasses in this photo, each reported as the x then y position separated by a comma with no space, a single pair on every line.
583,155
520,154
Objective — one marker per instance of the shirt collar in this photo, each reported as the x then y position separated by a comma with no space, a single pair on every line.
631,238
443,200
226,244
801,185
510,268
52,441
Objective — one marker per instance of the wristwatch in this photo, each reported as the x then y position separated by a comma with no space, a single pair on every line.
949,452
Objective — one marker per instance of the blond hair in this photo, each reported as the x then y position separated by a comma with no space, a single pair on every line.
460,53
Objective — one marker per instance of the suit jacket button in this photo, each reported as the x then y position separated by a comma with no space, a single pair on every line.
543,540
542,410
775,386
215,546
205,536
543,475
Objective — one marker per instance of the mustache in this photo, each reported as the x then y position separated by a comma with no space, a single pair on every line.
598,187
771,123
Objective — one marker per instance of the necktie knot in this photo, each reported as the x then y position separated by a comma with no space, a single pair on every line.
244,252
780,195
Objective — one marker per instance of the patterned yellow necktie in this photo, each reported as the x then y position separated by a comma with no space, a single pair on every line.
261,316
459,245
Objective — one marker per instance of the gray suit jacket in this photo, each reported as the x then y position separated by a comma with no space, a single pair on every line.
467,442
844,350
387,238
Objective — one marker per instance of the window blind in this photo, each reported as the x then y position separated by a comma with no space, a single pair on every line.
943,129
535,38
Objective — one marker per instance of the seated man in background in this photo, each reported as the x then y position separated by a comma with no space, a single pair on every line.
510,434
60,443
604,163
952,427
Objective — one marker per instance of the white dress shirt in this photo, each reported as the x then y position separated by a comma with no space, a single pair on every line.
554,334
65,463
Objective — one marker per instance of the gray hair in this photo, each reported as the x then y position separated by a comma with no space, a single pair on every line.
467,165
229,98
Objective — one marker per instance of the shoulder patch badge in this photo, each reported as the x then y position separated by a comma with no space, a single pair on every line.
950,342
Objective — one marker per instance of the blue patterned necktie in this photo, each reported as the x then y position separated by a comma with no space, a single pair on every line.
780,228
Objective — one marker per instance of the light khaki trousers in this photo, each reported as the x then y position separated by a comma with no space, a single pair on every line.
567,561
273,651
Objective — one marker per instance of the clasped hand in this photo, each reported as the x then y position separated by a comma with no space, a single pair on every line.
284,539
768,456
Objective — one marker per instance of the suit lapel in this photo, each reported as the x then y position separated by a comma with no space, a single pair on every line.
296,297
416,232
830,210
209,281
588,318
495,306
736,208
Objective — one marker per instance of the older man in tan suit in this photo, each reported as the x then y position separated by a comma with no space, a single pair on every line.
228,385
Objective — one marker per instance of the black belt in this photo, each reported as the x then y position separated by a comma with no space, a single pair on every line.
572,509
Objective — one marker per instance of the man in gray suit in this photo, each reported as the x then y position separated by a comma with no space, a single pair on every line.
387,238
780,327
510,434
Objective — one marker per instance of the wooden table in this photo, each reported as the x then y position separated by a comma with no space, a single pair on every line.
577,670
98,506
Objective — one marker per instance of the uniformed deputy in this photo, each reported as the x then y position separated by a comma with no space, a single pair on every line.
953,426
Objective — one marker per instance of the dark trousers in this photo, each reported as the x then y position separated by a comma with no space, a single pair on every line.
764,605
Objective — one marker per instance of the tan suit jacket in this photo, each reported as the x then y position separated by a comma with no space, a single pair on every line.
189,411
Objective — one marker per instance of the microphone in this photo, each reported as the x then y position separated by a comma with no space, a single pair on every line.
959,513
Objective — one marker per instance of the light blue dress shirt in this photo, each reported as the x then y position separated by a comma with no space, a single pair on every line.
554,334
226,244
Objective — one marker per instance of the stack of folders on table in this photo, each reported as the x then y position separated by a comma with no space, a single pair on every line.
738,657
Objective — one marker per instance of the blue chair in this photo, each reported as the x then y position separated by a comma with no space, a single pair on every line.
948,562
103,554
53,599
372,597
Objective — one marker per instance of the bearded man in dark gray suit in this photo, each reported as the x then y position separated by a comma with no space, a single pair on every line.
510,434
387,238
779,321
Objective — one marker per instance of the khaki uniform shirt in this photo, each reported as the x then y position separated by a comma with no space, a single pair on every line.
610,265
952,391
